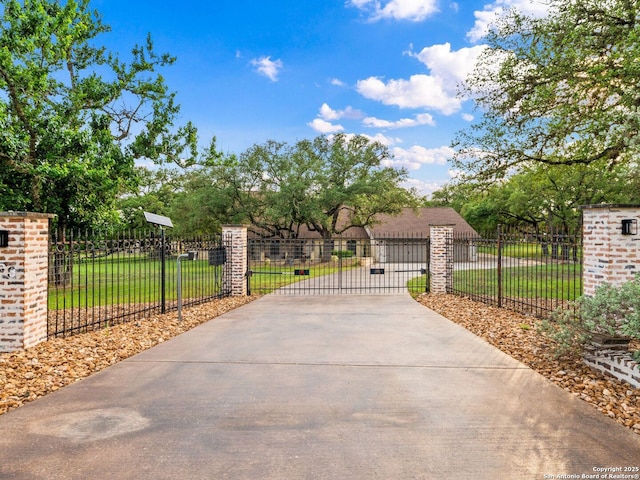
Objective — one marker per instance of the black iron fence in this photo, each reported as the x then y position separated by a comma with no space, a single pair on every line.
98,279
338,266
530,272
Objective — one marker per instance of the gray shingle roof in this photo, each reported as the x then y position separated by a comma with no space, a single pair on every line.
417,223
407,224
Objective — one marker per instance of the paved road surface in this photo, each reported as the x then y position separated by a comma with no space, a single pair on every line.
291,387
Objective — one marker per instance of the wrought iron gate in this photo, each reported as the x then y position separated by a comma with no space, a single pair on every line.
338,266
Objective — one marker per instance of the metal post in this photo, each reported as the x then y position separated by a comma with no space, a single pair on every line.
500,266
163,307
184,255
190,256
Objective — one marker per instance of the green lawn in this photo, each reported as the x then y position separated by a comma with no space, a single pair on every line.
418,285
131,280
556,281
523,250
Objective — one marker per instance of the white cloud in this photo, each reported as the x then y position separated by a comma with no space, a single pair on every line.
337,82
420,91
493,11
452,67
437,91
417,156
420,119
467,117
423,188
412,10
267,67
322,126
327,113
383,139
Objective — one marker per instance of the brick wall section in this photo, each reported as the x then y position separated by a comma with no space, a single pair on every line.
235,281
608,255
441,258
615,363
23,280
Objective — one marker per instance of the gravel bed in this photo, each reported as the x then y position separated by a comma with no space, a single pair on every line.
45,368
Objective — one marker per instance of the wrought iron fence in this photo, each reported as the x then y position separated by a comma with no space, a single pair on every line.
338,266
98,279
530,272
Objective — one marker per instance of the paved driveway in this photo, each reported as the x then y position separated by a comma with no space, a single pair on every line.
290,387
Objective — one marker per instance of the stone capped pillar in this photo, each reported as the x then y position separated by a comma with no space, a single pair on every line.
24,267
441,258
609,256
234,238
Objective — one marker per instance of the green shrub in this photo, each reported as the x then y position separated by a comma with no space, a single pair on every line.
342,253
611,311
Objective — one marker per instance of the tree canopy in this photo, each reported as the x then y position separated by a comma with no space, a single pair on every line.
324,185
557,90
74,117
540,197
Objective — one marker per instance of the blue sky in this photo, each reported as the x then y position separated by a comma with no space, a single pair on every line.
248,71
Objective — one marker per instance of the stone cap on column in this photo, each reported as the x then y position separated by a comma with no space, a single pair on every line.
609,205
11,213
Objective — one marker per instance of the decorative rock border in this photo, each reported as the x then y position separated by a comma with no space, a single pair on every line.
615,363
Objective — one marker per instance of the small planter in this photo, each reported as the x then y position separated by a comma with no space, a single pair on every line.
609,342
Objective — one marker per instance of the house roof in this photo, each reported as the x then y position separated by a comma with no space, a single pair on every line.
417,223
409,223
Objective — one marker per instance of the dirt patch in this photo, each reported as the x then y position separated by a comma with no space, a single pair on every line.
516,335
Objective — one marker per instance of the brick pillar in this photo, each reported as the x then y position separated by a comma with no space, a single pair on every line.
441,258
24,267
235,239
608,255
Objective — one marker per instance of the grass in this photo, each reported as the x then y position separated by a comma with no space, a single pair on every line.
135,280
418,285
557,281
522,250
553,282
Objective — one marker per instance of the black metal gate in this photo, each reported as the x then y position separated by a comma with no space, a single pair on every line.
338,266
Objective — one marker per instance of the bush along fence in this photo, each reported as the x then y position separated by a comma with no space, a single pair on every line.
98,279
529,272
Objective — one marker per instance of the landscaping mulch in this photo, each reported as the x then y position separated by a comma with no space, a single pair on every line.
51,365
517,335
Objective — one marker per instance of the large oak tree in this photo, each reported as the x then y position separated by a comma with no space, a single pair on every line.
75,117
556,90
326,185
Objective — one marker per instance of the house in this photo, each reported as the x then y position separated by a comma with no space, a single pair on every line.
401,238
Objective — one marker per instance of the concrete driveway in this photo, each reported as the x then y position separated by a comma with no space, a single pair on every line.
320,387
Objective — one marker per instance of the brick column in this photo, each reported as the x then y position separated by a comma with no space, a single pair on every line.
441,258
24,267
234,279
608,255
